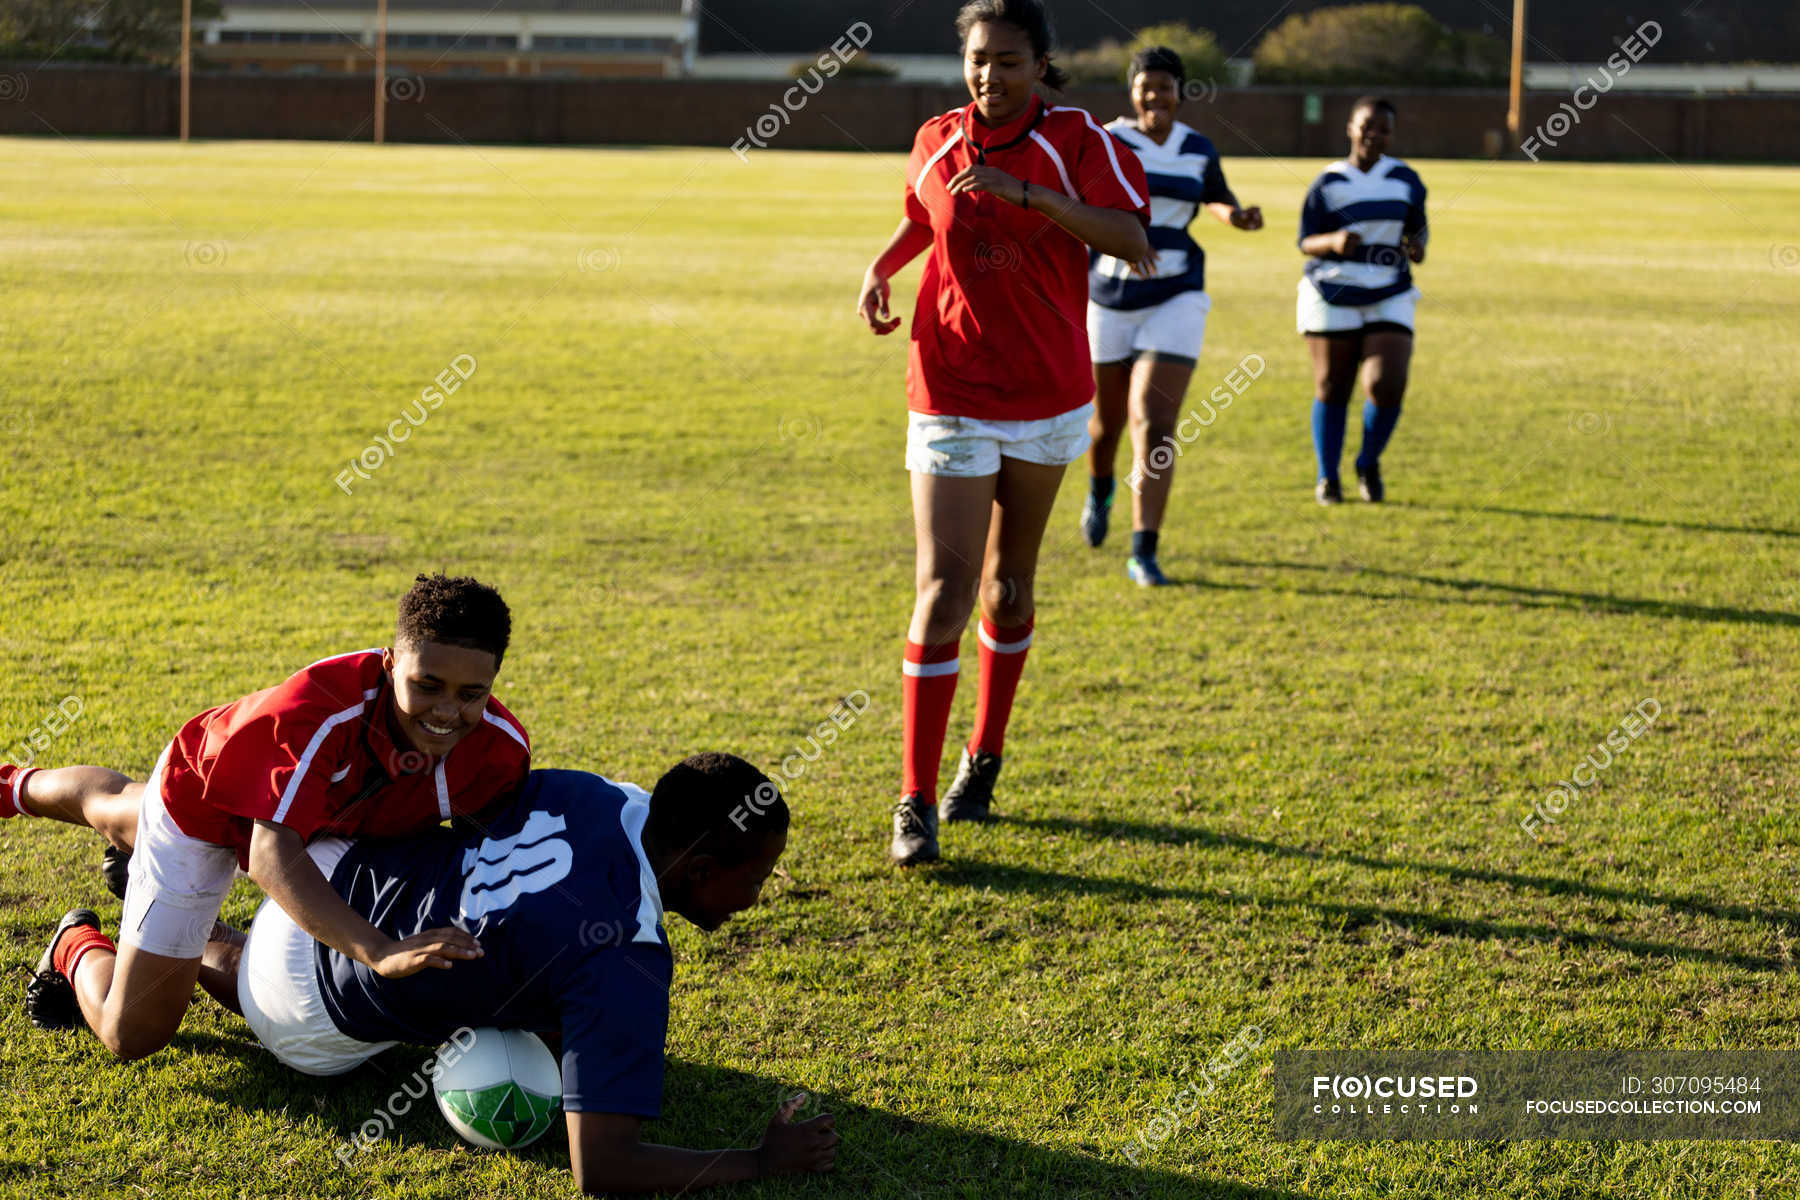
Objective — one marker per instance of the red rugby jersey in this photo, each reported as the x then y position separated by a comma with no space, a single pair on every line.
1000,331
317,754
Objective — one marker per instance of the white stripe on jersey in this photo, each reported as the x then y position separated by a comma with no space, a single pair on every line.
933,160
443,791
632,818
336,657
1112,155
312,749
1061,171
511,729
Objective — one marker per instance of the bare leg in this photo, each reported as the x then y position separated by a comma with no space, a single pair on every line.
1334,363
101,799
1112,384
1158,386
133,1000
1387,359
219,966
1022,504
950,524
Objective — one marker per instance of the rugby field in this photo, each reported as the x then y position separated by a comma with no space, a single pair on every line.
1286,794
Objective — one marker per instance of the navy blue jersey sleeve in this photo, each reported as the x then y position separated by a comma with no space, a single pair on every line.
1415,215
1316,216
1213,189
615,1021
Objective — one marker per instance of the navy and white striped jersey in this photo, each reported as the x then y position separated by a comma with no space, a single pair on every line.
1184,173
1380,205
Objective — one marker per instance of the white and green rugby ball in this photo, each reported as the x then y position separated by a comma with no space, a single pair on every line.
499,1088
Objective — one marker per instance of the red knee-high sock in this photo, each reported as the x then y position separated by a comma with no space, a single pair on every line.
1003,653
927,685
75,943
12,790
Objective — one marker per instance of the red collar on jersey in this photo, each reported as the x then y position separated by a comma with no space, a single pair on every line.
1007,136
381,720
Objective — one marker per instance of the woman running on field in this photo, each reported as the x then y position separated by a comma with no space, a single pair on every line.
1008,194
1362,223
1146,320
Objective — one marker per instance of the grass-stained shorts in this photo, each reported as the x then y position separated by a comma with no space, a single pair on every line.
969,447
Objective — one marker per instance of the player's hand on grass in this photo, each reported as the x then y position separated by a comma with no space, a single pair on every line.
1247,218
790,1148
873,306
432,948
1348,241
977,178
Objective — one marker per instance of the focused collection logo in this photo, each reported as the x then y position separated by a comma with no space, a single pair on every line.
1404,1095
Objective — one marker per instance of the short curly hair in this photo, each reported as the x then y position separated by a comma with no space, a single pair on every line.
715,804
454,611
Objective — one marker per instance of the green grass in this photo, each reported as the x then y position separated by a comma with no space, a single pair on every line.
1285,793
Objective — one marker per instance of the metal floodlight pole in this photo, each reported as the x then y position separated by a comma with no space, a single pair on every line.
1515,109
187,62
380,71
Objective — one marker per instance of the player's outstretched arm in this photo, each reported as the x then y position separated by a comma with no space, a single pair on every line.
280,866
1230,212
607,1155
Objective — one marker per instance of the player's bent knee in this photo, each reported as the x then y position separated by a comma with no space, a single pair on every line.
1008,599
130,1042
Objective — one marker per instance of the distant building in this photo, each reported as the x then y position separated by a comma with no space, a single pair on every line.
456,37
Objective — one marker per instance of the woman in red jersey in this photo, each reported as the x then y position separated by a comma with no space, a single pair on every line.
1008,194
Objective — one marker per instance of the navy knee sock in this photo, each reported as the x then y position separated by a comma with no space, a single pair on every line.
1328,422
1378,427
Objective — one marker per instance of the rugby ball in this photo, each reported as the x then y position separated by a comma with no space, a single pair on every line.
499,1088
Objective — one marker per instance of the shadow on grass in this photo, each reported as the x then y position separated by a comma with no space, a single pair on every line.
1179,835
880,1154
1526,597
1342,917
1608,519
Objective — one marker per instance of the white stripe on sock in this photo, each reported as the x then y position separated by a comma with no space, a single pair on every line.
1022,644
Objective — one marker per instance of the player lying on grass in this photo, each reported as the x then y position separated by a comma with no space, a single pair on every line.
566,888
380,742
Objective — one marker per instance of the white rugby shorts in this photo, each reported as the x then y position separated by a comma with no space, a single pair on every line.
969,447
1176,327
278,988
177,883
1314,314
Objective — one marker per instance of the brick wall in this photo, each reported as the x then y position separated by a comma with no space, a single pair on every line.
845,114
